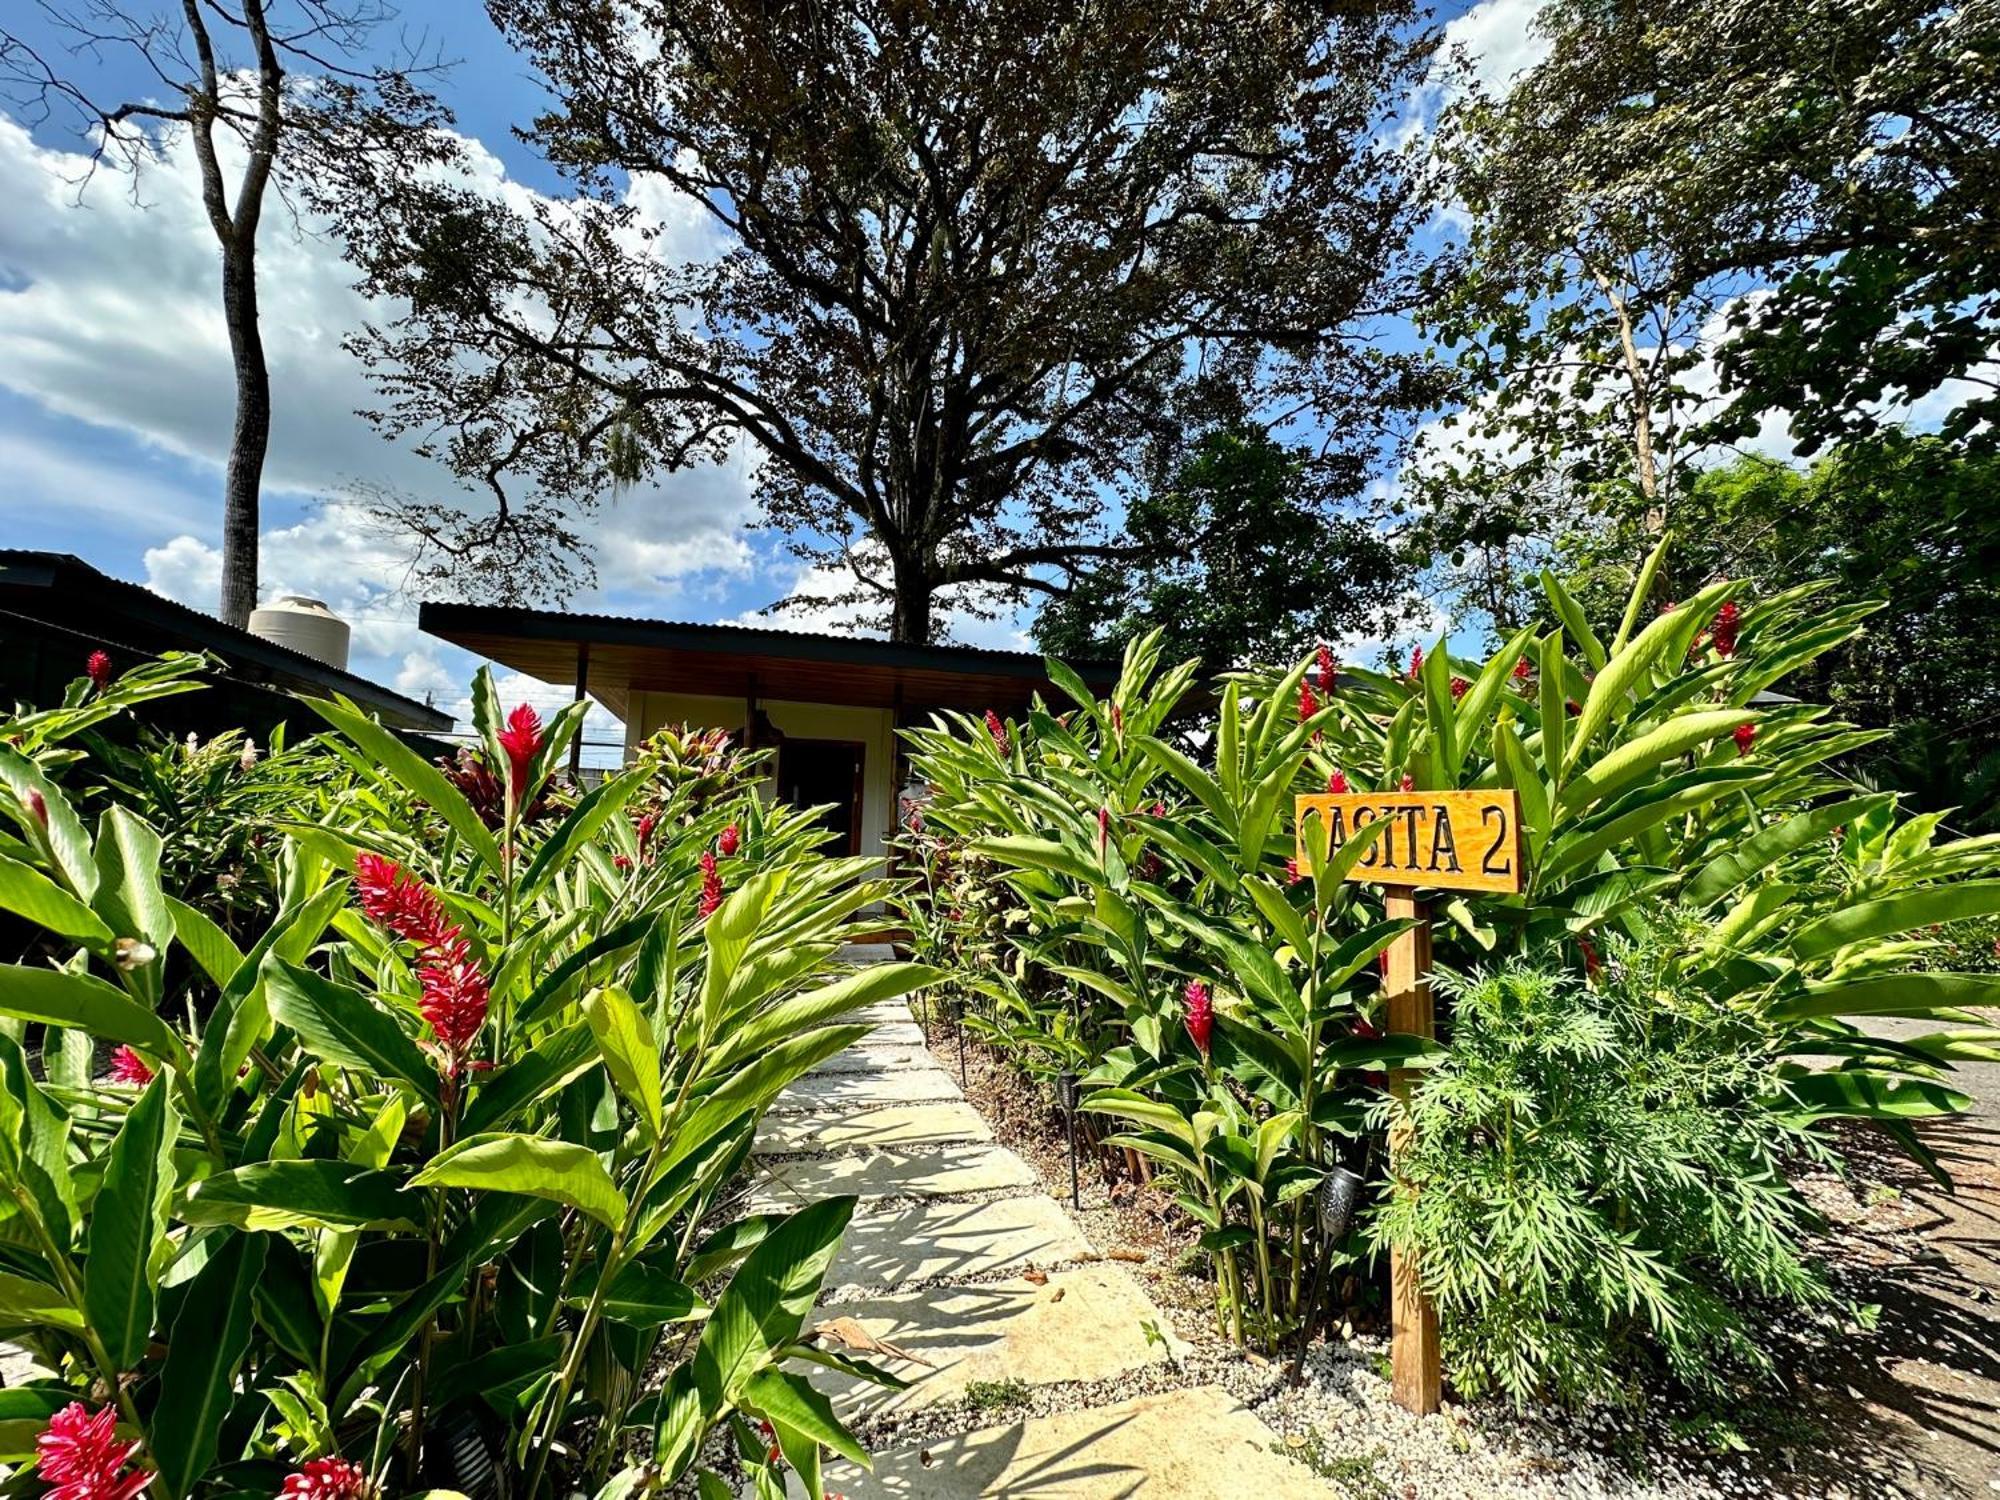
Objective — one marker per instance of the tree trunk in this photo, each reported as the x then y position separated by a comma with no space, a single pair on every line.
248,440
910,619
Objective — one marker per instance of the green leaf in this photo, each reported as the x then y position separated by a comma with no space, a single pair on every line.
208,945
508,1163
597,807
416,775
1574,620
647,1297
1635,757
1901,912
1758,853
767,1300
31,895
625,1041
789,1400
68,843
128,890
554,1061
127,1229
209,1340
1022,851
1642,590
58,998
25,1301
749,1090
1890,994
341,1026
302,1194
1611,691
1874,1096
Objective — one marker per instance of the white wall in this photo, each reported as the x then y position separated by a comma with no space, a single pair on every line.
873,727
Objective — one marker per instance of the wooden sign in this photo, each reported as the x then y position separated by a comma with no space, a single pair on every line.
1454,841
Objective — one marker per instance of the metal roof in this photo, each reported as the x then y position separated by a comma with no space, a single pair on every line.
62,589
621,653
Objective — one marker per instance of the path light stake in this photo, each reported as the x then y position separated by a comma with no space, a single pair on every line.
1066,1087
1339,1192
1461,841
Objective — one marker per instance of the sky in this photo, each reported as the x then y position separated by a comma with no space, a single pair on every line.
115,388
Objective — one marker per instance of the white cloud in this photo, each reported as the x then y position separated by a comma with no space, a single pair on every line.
1499,39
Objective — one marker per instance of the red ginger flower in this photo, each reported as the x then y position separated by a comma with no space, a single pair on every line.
1336,782
1745,736
454,993
711,886
1117,719
998,730
1198,1012
1293,874
1722,633
1159,809
79,1456
327,1479
128,1066
729,840
1416,660
1329,669
620,863
1592,964
1460,687
521,739
1522,671
1407,784
1308,701
1103,829
644,828
98,668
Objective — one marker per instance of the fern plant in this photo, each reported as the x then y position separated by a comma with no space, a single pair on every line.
1594,1175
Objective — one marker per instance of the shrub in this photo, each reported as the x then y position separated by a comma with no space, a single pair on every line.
433,1179
1594,1171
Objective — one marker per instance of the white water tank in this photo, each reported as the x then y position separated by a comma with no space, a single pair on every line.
305,625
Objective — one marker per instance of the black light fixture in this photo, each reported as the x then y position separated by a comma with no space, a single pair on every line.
1339,1192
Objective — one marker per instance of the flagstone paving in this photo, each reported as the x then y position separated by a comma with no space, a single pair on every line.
958,1259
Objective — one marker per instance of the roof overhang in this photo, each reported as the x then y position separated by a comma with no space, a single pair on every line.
617,656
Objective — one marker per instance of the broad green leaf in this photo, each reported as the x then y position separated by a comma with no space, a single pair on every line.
1642,591
553,1062
747,1091
212,949
1636,757
340,1025
129,897
1759,852
87,1003
198,1384
127,1229
1890,994
32,896
1611,691
625,1041
598,806
26,1301
767,1300
647,1297
507,1163
1574,621
302,1194
1038,854
400,763
63,833
788,1399
1874,1096
789,1018
1901,912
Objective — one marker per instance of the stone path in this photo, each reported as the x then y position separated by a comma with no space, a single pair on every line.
956,1255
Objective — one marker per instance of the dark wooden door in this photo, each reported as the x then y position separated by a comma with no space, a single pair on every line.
826,774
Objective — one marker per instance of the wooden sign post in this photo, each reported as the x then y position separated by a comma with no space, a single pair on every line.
1465,841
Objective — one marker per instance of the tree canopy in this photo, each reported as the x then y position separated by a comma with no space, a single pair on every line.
974,269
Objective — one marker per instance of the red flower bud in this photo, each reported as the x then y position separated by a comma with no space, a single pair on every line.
729,840
78,1455
1522,670
1416,660
38,807
1308,703
327,1479
1722,634
98,668
454,994
1336,782
1198,1012
1460,687
521,739
998,730
1745,736
711,887
1407,784
1329,671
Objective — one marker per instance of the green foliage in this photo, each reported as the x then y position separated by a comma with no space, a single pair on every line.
1595,1172
1248,554
426,1171
1679,823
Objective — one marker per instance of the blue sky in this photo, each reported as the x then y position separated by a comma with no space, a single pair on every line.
115,388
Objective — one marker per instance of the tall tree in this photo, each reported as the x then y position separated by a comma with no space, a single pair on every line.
1251,556
1688,222
262,76
972,263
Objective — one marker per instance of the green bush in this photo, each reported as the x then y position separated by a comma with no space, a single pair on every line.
1156,929
429,1182
1594,1171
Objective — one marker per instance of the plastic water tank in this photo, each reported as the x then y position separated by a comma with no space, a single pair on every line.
305,625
